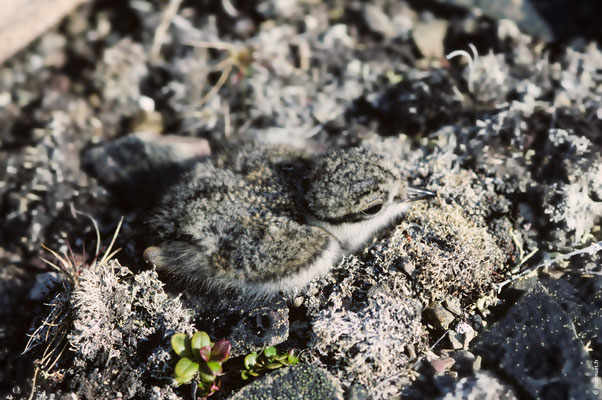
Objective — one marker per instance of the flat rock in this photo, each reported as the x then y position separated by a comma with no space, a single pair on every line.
535,345
139,167
298,382
21,21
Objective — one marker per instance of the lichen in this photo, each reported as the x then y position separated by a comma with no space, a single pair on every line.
120,333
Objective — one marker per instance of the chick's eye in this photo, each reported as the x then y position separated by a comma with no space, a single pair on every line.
375,209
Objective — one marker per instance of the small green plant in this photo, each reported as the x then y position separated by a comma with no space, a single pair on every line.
268,359
200,357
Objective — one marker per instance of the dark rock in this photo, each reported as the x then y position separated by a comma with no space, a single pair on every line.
535,344
548,19
523,13
140,167
299,382
248,326
581,299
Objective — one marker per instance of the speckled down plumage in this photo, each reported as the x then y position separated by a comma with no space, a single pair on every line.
263,219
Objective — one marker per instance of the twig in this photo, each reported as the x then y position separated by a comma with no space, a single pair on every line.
33,383
161,31
591,250
107,256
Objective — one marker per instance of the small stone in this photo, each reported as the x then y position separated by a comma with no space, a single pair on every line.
43,285
439,316
455,339
441,365
358,392
411,351
453,304
464,328
476,365
378,21
409,268
147,121
429,36
480,386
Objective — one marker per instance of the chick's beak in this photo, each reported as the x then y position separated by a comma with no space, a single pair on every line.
414,194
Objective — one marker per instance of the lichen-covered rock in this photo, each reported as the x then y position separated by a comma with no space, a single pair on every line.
365,339
298,382
120,330
248,325
536,345
581,299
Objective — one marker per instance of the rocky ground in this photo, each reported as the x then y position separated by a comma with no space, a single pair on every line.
100,113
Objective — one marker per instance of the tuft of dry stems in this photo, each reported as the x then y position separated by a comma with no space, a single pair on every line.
53,331
69,266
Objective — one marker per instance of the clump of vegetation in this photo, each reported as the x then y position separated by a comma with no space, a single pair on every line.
267,360
200,357
52,334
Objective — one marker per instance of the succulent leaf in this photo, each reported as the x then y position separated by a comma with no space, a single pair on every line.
215,367
205,353
292,358
185,370
250,360
221,351
199,340
270,352
273,365
206,375
181,345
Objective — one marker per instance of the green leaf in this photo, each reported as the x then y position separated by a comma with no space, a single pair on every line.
178,381
244,374
215,367
273,365
181,345
199,340
292,358
250,360
270,352
206,374
185,370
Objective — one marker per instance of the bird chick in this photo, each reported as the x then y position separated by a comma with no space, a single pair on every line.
264,219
